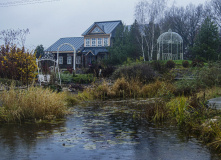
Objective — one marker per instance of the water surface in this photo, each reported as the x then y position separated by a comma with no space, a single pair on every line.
100,133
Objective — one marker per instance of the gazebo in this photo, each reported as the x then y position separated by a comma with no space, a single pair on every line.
170,46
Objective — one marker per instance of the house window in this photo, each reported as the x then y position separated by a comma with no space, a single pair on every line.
93,42
68,59
60,60
105,41
78,59
99,42
88,42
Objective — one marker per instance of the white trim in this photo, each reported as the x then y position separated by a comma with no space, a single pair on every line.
90,52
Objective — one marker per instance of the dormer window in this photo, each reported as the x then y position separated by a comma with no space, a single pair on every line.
93,42
88,42
96,30
99,42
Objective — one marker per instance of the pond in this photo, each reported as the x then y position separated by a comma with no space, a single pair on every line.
103,133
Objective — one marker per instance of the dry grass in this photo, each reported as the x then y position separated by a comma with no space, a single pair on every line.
150,90
210,93
34,103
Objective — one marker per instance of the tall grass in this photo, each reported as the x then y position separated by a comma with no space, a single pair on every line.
34,103
177,109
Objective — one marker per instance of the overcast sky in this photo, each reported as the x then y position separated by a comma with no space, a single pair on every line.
49,20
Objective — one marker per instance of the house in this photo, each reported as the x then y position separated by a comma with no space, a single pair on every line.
91,47
66,52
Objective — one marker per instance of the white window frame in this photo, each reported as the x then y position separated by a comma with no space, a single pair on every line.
93,42
69,60
106,42
99,42
60,59
88,42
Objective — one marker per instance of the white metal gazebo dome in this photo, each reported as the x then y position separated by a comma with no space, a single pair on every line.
169,46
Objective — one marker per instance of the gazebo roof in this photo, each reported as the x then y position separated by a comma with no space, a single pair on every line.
170,37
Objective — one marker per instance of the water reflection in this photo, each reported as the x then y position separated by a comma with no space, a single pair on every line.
94,132
22,138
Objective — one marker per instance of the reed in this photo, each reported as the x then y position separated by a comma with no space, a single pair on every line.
177,109
34,103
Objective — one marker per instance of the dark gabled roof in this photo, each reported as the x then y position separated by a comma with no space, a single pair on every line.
77,42
106,26
94,50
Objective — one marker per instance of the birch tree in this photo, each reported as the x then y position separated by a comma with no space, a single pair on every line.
216,4
149,12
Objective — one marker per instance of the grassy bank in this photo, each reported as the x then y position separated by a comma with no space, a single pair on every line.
32,104
182,102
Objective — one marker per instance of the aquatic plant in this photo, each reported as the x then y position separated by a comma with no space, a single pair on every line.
34,103
71,99
177,109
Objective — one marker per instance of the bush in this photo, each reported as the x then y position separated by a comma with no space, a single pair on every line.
170,64
209,76
141,72
108,71
34,103
66,77
186,87
197,63
17,64
83,78
159,66
185,64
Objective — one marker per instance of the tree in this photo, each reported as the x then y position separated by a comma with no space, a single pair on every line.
39,51
185,21
121,48
207,41
146,12
216,4
137,41
13,37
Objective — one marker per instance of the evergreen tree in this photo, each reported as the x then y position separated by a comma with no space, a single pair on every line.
121,48
39,51
136,40
207,41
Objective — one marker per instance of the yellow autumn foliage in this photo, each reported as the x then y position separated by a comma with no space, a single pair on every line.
17,64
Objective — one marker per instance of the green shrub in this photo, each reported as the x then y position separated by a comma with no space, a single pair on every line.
83,78
141,72
185,64
209,76
170,64
66,77
186,87
66,72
